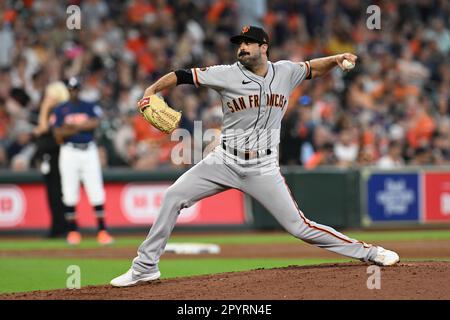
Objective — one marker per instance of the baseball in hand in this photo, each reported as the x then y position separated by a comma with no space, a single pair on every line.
348,64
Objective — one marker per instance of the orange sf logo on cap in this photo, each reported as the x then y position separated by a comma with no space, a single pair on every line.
245,29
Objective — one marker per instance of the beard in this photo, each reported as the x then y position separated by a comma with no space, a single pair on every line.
248,60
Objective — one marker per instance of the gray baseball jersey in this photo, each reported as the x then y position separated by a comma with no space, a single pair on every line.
252,106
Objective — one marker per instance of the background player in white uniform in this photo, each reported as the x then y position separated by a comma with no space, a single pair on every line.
254,94
75,123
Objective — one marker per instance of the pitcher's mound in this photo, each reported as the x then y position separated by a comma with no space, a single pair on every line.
409,280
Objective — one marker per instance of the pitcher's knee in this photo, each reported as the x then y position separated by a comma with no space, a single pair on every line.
175,196
299,230
295,228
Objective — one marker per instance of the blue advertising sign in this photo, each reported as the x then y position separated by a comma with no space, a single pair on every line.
393,197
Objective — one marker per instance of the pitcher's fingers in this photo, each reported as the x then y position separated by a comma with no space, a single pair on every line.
351,57
340,64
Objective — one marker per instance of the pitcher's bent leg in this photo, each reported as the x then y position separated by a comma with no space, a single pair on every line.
199,182
283,207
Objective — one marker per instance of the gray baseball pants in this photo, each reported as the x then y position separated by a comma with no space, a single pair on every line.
259,178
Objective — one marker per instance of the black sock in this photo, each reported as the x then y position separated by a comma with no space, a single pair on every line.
72,225
69,215
100,214
101,223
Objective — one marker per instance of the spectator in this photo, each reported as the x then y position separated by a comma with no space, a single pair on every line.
324,156
252,12
212,120
297,133
346,149
7,41
399,90
422,156
393,159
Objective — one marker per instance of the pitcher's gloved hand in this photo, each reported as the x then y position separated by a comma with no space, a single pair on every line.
156,111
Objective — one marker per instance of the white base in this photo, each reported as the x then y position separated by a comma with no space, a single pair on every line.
192,248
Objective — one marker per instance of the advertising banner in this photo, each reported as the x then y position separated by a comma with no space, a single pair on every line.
393,197
24,206
437,197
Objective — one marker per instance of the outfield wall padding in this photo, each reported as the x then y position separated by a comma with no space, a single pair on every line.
326,196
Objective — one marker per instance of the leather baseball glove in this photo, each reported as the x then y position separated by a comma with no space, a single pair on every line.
156,111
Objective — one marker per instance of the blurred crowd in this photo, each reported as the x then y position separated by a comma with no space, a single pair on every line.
392,110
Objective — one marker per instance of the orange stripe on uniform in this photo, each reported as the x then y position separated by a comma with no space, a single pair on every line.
196,77
306,220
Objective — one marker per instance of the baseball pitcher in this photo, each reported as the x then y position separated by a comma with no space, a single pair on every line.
254,93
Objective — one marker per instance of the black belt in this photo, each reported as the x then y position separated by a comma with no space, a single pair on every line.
247,155
80,146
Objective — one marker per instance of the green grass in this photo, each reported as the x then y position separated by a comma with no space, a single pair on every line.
87,242
415,235
249,238
29,274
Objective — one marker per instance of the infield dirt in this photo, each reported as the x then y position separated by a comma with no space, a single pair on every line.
407,249
405,281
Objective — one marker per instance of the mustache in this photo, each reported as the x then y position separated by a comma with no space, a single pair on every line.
243,53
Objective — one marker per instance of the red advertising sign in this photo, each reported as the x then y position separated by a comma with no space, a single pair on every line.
25,206
437,196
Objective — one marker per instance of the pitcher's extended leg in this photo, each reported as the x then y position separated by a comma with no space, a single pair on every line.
273,193
202,180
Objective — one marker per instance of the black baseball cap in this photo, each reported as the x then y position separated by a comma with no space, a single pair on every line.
73,83
252,33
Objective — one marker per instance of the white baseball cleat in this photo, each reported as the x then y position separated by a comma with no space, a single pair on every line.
131,278
385,257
